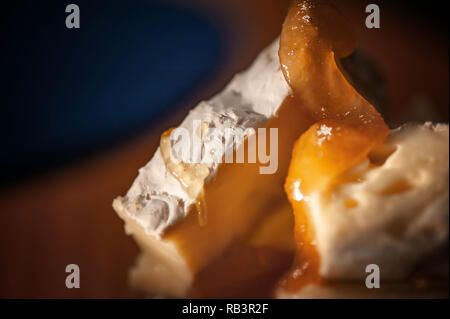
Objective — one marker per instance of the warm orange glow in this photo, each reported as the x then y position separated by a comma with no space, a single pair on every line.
346,125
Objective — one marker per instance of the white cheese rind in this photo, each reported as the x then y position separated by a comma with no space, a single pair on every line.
394,229
156,199
160,269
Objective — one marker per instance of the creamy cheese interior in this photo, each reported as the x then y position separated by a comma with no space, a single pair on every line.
391,209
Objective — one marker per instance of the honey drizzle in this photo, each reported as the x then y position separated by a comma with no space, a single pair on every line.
347,127
200,205
190,175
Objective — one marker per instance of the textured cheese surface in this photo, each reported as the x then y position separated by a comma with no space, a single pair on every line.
156,199
398,213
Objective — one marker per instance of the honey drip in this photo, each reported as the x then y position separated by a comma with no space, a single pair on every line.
190,175
200,205
346,125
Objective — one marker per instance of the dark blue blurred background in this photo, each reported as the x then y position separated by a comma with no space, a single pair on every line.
66,93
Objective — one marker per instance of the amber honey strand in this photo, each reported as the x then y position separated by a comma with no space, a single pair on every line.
347,127
190,176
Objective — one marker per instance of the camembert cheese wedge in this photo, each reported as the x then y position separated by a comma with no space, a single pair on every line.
162,214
